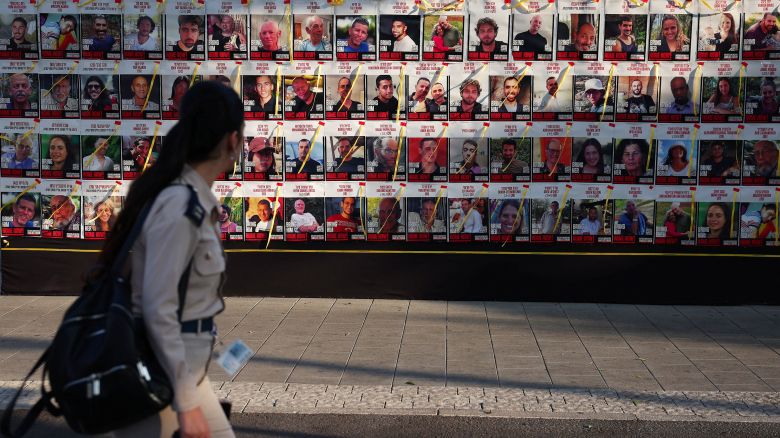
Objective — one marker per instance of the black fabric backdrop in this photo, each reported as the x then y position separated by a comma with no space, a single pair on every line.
516,272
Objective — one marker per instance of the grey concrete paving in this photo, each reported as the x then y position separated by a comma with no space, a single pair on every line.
323,355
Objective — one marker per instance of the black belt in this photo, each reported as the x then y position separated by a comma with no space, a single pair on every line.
197,325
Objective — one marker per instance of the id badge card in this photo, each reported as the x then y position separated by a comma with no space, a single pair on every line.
233,358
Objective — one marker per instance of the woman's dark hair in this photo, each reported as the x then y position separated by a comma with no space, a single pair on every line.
72,151
595,143
103,101
717,91
726,231
176,82
209,112
668,160
644,147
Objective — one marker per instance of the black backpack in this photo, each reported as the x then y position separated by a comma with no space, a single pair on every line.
101,369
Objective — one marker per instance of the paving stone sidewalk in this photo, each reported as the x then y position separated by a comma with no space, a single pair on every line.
471,358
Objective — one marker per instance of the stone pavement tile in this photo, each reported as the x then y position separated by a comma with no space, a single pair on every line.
631,381
722,377
726,365
264,374
755,387
563,346
421,360
774,383
518,378
351,377
331,346
564,369
584,381
432,349
681,371
619,363
687,383
574,358
623,352
706,353
379,354
520,362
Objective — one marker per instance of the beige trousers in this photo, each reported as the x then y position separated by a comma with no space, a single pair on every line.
163,425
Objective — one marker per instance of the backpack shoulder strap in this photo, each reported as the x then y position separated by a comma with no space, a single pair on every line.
197,214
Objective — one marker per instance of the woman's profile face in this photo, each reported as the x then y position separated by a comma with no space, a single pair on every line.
507,219
591,155
716,219
58,151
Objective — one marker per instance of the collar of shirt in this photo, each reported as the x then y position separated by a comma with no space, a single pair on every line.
205,196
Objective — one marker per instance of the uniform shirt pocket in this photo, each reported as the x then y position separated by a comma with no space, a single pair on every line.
208,258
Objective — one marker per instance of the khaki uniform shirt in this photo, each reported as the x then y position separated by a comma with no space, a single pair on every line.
160,255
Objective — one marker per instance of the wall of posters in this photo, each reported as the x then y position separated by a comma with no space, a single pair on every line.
517,122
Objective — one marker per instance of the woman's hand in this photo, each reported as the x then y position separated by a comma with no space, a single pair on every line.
192,424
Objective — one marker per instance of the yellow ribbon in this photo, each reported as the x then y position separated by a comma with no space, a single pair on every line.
351,149
105,144
70,72
609,89
481,136
400,149
236,81
560,210
273,217
527,127
401,91
311,147
517,87
435,207
70,196
733,210
519,214
86,3
363,201
739,89
194,72
521,5
278,88
151,146
693,149
566,140
606,208
693,205
696,88
704,2
563,79
650,147
23,192
351,86
398,197
471,210
287,20
151,86
25,135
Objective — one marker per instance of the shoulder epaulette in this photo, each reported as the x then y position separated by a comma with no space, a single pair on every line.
195,211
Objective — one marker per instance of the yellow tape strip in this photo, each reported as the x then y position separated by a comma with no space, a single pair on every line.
151,86
70,196
650,147
563,79
566,141
288,25
273,217
520,212
693,150
194,72
363,201
471,210
398,197
522,138
23,192
352,85
311,147
104,144
151,147
70,72
604,212
481,136
400,150
278,88
401,91
733,211
739,89
609,89
353,148
696,89
236,81
562,207
693,210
